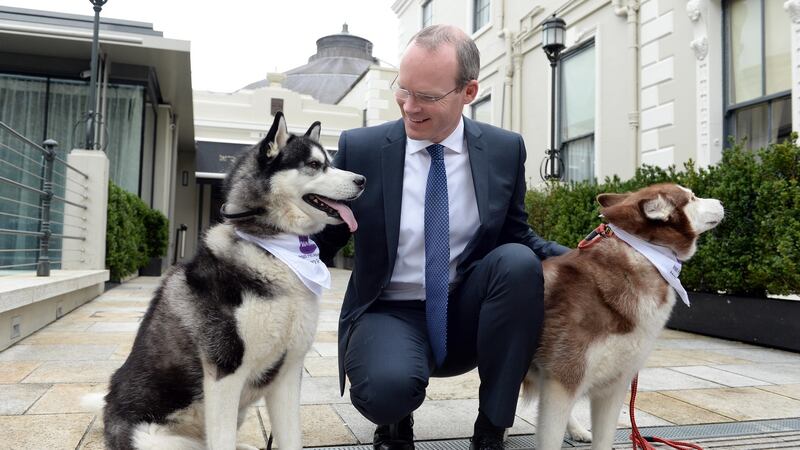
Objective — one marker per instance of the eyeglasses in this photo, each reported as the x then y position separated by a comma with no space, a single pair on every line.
404,94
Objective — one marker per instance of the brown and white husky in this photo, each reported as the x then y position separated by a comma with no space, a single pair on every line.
605,305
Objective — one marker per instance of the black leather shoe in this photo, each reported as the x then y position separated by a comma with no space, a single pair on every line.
486,443
396,436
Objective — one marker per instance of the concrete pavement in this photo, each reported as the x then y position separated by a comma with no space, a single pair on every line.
689,379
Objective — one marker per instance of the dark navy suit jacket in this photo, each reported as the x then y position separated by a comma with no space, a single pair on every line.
497,160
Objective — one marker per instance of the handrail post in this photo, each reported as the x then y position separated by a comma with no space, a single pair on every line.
43,266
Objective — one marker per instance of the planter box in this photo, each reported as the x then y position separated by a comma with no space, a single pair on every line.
152,269
761,321
343,262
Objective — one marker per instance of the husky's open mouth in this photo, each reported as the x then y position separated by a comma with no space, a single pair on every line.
333,209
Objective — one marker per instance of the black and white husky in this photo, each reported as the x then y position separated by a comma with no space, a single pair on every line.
234,324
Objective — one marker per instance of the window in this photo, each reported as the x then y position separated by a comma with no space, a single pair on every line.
276,104
427,13
482,110
576,115
480,13
40,108
758,72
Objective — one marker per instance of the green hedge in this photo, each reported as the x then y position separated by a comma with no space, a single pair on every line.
754,251
134,233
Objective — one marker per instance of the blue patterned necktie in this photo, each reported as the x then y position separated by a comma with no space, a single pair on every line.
437,253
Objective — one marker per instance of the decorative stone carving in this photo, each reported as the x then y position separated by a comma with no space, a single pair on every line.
700,47
793,6
694,9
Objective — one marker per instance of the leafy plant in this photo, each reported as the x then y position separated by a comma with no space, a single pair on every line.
134,233
754,251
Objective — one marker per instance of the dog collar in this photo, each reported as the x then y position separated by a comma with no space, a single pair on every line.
602,231
241,215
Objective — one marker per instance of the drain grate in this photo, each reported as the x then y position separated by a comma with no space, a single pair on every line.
749,435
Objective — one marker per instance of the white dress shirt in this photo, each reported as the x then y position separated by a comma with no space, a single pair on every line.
408,277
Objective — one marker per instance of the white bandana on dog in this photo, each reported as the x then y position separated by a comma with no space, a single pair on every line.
662,257
300,253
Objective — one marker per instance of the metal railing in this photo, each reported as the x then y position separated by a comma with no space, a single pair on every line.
36,205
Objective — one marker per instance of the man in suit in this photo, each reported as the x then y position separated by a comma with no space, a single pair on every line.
447,271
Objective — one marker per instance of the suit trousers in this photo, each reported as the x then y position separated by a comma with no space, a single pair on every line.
494,323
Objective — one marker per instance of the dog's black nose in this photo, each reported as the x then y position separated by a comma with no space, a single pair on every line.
360,181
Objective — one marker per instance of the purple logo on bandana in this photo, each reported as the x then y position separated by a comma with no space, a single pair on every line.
307,246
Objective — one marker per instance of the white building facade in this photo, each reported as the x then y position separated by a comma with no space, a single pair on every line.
654,82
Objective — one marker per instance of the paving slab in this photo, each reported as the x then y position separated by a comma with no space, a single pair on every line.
326,348
746,403
433,420
51,432
676,411
787,390
718,376
16,371
58,352
322,367
661,378
676,357
772,373
321,425
73,372
77,338
113,327
66,398
761,355
252,431
453,388
322,390
17,398
582,413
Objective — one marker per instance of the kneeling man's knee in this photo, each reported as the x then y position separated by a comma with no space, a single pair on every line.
388,398
518,262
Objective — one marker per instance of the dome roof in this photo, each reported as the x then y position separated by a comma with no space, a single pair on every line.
340,60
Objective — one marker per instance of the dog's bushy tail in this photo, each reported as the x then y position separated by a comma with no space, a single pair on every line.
94,402
530,388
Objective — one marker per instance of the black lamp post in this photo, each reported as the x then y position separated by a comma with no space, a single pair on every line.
553,31
98,5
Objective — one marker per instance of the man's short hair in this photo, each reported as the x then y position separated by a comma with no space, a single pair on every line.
467,54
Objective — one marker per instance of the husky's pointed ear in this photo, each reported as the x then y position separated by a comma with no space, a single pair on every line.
607,200
276,137
313,131
658,208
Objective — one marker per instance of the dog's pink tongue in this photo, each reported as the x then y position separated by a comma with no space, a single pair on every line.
344,212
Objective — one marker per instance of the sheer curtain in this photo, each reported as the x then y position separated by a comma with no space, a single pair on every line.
124,114
578,158
22,102
41,108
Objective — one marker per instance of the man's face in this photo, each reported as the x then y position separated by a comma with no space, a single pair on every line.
432,73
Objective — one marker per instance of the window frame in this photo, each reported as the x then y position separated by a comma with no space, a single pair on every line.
474,8
427,4
561,142
731,109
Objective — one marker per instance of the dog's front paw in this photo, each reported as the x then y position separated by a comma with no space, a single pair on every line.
577,433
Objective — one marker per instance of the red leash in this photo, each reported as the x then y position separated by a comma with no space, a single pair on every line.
643,442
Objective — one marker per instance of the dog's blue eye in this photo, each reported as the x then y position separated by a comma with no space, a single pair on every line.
314,165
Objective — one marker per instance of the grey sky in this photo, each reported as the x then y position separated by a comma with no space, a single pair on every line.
237,42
